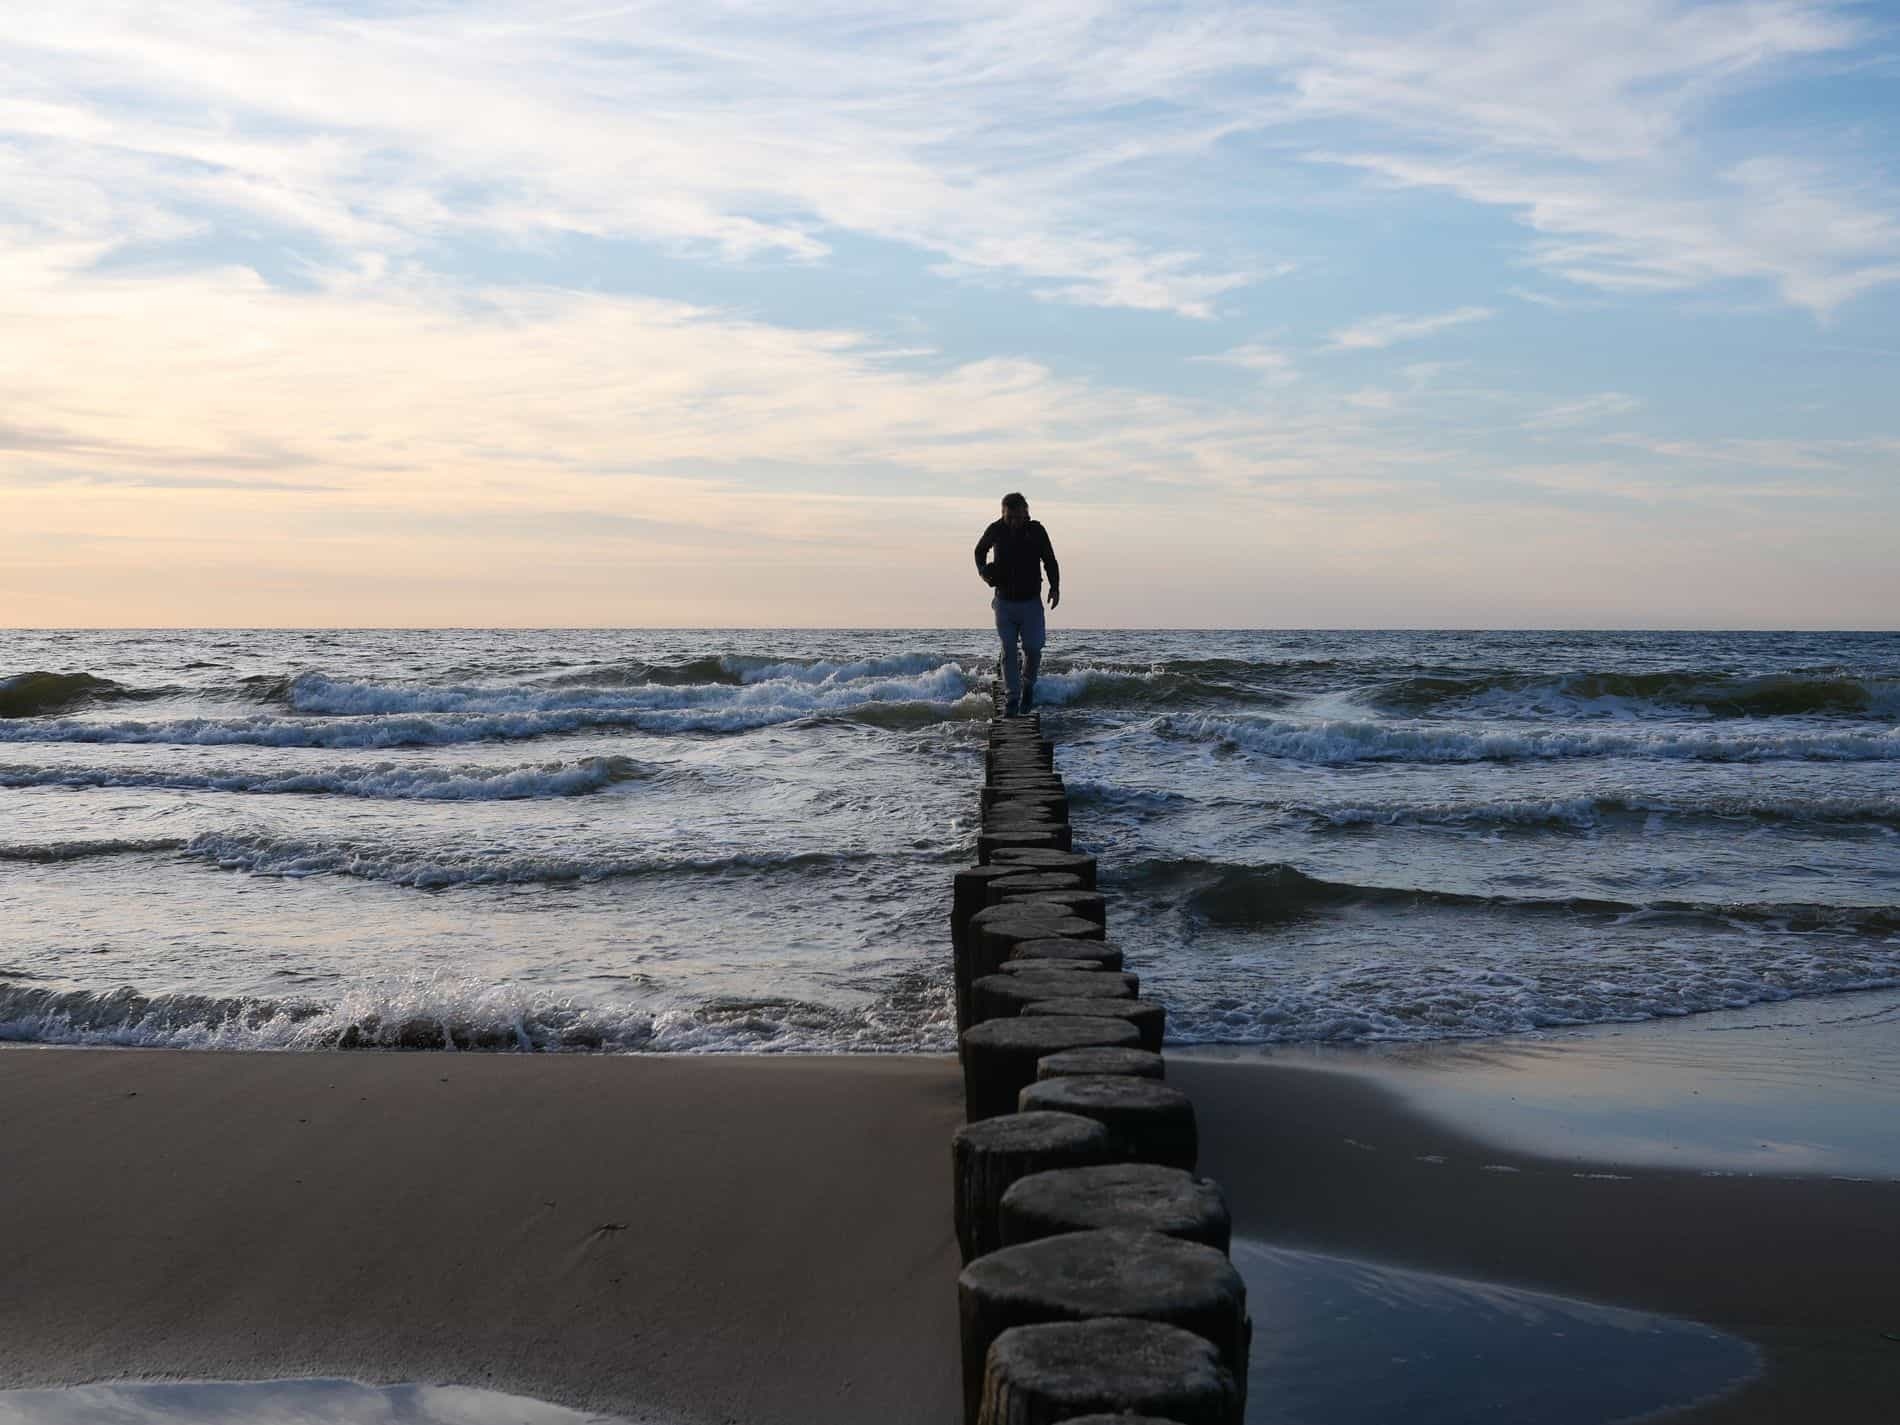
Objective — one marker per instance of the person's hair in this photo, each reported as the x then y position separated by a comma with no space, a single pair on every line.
1014,501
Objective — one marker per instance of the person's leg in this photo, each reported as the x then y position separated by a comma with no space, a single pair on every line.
1009,630
1034,634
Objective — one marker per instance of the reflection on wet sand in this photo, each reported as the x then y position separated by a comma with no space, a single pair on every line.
1340,1341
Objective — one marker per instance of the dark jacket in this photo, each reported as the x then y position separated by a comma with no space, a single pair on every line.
1016,572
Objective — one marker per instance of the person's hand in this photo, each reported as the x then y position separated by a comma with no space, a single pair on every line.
1055,597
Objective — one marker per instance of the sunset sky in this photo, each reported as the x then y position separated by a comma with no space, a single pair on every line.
1319,315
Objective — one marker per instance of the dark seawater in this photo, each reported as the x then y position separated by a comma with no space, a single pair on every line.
720,840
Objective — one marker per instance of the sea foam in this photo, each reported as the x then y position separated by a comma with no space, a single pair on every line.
448,1011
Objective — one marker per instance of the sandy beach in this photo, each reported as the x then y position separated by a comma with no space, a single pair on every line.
665,1239
1799,1266
766,1239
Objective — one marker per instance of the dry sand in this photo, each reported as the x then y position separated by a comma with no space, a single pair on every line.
760,1240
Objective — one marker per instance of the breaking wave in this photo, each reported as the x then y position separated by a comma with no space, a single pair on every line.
388,780
1336,742
1275,893
372,715
442,1012
263,854
779,690
1406,1001
434,869
1166,685
1809,693
1583,813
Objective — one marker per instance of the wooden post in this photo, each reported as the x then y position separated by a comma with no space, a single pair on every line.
970,894
1031,858
1118,1366
1025,882
1112,1272
999,1057
988,843
1131,1063
989,934
1061,948
989,1157
1153,1122
1090,905
993,932
1003,996
1145,1197
1147,1015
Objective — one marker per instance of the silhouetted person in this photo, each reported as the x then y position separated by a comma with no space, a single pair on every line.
1022,550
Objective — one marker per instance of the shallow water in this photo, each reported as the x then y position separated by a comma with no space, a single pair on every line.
1808,1087
1338,1341
742,840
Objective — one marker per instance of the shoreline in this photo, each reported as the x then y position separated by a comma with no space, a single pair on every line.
439,1217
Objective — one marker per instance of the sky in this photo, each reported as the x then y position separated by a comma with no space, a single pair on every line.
528,312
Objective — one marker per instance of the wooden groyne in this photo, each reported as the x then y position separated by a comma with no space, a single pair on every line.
1096,1283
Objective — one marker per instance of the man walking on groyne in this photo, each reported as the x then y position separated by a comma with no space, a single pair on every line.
1022,551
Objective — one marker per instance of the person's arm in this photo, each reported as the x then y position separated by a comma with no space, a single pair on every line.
1049,563
983,548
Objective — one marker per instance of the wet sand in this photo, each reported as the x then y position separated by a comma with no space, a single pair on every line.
1602,1174
768,1239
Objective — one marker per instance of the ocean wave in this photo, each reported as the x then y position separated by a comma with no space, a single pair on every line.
52,853
383,780
1275,893
844,686
636,674
40,693
442,1012
1163,685
390,731
1402,1000
262,854
370,715
1590,812
1336,742
897,717
1801,693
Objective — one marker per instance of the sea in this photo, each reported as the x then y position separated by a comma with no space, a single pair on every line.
708,840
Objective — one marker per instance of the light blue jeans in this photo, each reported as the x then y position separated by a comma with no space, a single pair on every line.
1020,621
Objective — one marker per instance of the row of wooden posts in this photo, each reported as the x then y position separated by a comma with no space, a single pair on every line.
1096,1284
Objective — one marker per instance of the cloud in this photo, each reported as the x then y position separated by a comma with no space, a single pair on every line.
406,392
1594,129
1375,333
1785,221
1556,304
1270,364
1576,413
1620,483
1839,455
1059,148
993,142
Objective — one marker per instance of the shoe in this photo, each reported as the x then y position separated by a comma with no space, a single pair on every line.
1011,710
1029,700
